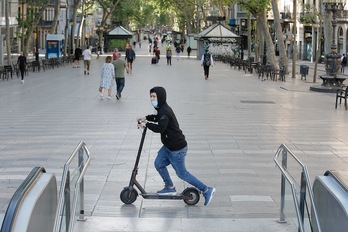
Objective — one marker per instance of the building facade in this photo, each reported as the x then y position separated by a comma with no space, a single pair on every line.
306,37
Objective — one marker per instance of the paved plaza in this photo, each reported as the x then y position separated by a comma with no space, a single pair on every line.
233,122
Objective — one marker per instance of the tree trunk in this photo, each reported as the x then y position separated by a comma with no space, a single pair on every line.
249,35
55,19
73,26
269,43
30,29
188,26
106,15
257,45
283,60
294,43
79,36
66,29
8,44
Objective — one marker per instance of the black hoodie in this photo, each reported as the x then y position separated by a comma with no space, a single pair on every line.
166,122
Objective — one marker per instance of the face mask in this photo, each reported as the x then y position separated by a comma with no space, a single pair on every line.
154,103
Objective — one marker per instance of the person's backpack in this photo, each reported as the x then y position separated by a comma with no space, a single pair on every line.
344,61
206,60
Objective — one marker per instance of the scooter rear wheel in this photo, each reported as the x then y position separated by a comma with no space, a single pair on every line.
191,196
128,196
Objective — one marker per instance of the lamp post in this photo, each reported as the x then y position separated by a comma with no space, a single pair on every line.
332,58
242,23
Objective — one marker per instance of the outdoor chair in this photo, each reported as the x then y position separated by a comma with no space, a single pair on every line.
342,94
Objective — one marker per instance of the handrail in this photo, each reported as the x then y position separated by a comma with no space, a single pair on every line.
338,177
18,197
304,177
65,190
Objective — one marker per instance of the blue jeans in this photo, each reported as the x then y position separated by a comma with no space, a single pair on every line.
166,157
120,82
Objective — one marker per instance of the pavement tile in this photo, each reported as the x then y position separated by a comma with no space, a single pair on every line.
234,123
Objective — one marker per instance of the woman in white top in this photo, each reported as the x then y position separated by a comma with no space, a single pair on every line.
107,78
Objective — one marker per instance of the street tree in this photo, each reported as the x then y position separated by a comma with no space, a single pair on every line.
109,7
185,11
75,6
259,10
29,21
8,44
56,16
283,59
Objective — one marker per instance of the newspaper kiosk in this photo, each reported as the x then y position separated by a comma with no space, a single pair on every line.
54,45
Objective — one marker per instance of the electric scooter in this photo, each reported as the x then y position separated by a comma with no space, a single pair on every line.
129,194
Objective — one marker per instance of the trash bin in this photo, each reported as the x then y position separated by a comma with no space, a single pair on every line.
304,71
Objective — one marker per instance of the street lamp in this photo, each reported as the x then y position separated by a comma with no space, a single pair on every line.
332,58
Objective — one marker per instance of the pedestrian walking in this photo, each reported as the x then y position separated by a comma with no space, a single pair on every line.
78,54
150,48
174,149
107,78
120,66
188,51
22,65
87,58
130,57
178,50
114,54
343,63
98,50
169,54
157,54
206,61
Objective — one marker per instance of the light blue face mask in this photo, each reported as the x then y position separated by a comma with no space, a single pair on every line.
154,103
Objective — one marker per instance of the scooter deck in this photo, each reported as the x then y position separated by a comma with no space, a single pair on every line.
156,196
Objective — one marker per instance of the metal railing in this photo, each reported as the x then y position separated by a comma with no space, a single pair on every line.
72,186
305,186
17,198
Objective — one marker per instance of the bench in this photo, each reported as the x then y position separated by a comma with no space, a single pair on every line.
329,81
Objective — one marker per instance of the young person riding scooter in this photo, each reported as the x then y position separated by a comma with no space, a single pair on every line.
174,147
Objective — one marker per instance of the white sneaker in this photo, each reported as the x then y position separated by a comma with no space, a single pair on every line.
101,96
22,81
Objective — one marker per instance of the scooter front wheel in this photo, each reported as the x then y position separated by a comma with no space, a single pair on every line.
128,196
191,196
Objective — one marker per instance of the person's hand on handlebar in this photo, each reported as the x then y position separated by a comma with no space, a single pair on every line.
141,122
141,119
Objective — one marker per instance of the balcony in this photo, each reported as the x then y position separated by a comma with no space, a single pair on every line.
286,15
45,23
344,17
